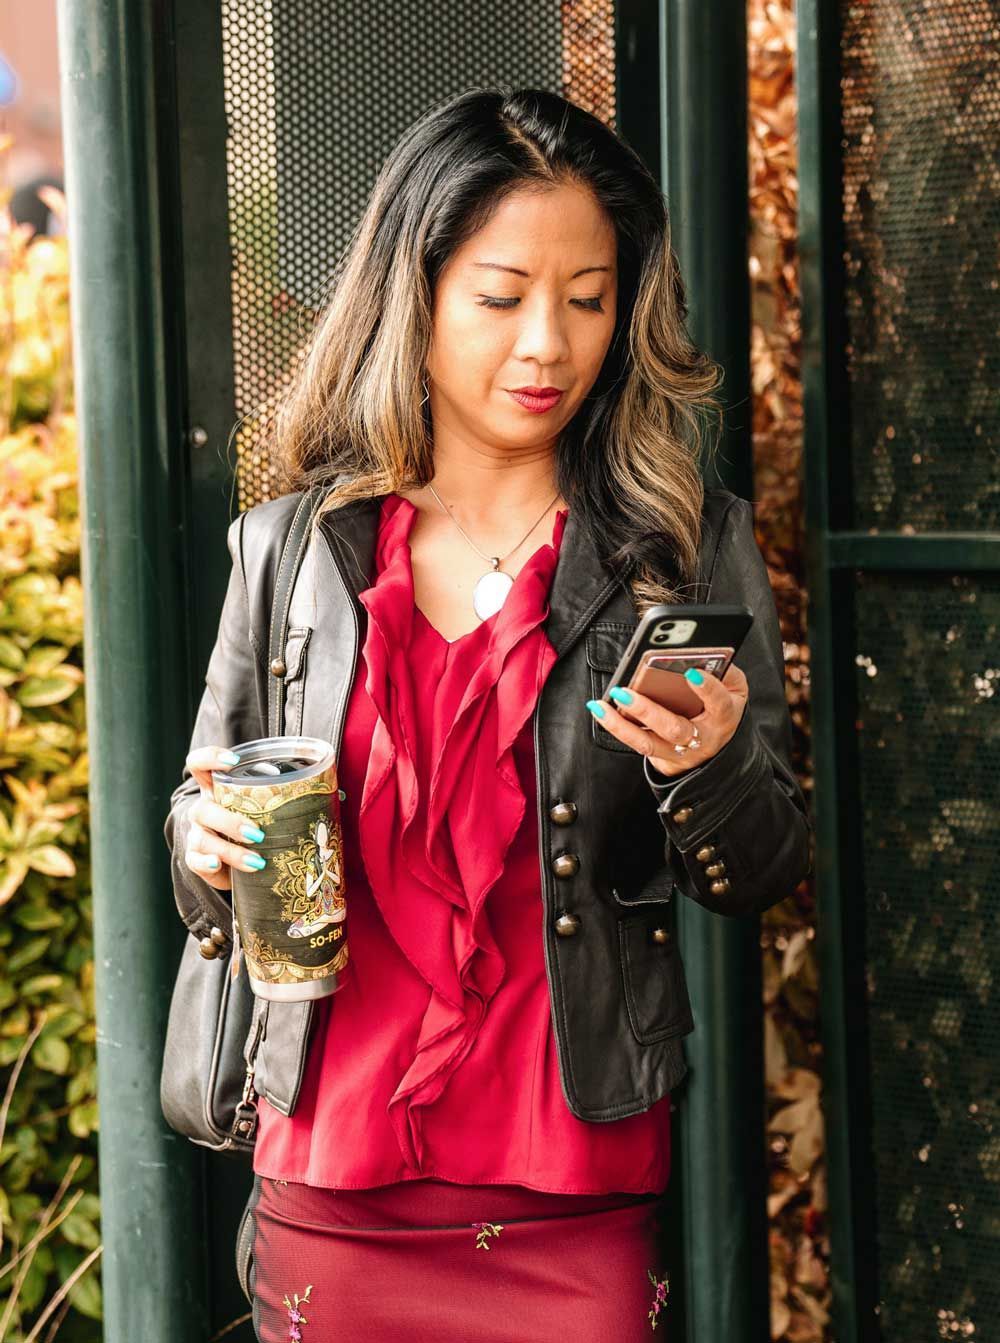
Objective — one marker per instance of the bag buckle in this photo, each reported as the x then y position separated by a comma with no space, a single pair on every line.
246,1116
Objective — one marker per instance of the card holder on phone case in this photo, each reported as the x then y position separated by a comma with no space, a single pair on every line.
669,689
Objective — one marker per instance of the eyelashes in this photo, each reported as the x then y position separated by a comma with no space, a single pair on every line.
486,301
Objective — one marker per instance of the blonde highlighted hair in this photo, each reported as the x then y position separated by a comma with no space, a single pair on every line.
629,462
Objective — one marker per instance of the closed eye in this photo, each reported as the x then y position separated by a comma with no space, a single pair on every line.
486,301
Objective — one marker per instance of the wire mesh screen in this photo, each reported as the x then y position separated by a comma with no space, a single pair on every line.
928,674
316,93
921,141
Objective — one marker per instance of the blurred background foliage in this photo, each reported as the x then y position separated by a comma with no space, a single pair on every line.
49,1211
797,1203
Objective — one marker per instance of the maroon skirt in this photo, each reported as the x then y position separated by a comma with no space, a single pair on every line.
429,1260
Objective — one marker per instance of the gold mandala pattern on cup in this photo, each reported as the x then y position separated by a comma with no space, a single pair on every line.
259,802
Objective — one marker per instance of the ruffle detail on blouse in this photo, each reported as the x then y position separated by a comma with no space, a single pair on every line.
442,801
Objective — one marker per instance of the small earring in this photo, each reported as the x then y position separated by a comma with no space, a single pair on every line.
423,383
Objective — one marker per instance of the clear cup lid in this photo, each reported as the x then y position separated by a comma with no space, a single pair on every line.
266,759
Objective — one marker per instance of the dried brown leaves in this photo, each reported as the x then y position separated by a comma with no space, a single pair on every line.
799,1248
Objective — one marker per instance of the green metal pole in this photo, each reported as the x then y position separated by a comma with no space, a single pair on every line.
720,1153
705,179
123,277
830,549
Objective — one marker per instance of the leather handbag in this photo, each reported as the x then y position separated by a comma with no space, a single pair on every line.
215,1020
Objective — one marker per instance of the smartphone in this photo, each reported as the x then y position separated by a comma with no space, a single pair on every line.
670,639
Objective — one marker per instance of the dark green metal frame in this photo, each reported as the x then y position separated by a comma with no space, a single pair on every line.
831,641
720,1151
117,129
835,555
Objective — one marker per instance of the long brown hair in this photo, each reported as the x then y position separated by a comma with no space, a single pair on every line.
629,461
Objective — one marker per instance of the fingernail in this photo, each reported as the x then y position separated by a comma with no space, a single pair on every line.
620,694
694,676
252,832
229,757
596,708
212,861
255,860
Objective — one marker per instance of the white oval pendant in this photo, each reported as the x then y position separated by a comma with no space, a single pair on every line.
490,593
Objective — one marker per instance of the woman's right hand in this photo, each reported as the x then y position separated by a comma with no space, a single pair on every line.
218,838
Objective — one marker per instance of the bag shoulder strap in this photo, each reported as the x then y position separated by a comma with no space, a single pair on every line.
295,546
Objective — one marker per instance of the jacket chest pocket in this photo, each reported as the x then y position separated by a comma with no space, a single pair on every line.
296,643
605,643
653,981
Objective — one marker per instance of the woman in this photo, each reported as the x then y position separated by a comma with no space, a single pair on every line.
471,1138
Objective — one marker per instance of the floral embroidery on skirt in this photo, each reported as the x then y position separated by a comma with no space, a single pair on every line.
295,1316
396,1261
660,1300
485,1230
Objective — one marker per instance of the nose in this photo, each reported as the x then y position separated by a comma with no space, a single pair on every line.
541,335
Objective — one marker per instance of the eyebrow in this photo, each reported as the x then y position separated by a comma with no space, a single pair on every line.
495,265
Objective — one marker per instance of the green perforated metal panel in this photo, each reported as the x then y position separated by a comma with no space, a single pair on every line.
921,138
900,124
928,687
315,95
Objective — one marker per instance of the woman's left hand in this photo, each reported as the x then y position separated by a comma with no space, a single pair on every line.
657,730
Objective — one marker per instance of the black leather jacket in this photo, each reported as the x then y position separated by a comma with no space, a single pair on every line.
616,838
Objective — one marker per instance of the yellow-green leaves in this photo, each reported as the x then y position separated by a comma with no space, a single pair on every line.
48,1177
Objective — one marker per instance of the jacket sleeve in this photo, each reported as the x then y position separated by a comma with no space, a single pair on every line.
229,712
742,809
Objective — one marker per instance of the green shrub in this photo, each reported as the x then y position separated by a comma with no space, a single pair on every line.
49,1209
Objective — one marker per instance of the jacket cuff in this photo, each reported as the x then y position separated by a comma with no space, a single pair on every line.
693,805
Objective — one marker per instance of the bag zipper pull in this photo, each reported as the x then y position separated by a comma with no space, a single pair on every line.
245,1121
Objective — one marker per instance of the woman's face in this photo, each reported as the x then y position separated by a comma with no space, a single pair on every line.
528,301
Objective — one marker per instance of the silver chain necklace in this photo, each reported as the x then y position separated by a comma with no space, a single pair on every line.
492,587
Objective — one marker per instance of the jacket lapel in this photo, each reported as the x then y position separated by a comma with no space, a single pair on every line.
581,583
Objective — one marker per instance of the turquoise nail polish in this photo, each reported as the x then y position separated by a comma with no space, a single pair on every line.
596,708
620,694
252,832
229,757
212,861
694,676
255,860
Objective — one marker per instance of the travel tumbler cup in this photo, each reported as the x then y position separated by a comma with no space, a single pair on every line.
289,919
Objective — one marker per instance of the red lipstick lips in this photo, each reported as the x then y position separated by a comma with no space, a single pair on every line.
536,399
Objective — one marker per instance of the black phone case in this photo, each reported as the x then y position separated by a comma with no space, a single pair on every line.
717,627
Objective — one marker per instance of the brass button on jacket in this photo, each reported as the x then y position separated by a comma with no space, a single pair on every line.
208,948
567,925
218,937
705,853
661,936
563,813
719,887
565,864
715,869
277,667
681,815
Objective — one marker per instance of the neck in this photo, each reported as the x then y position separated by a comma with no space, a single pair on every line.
480,489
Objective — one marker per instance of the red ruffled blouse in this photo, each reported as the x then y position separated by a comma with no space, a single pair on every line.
437,1057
